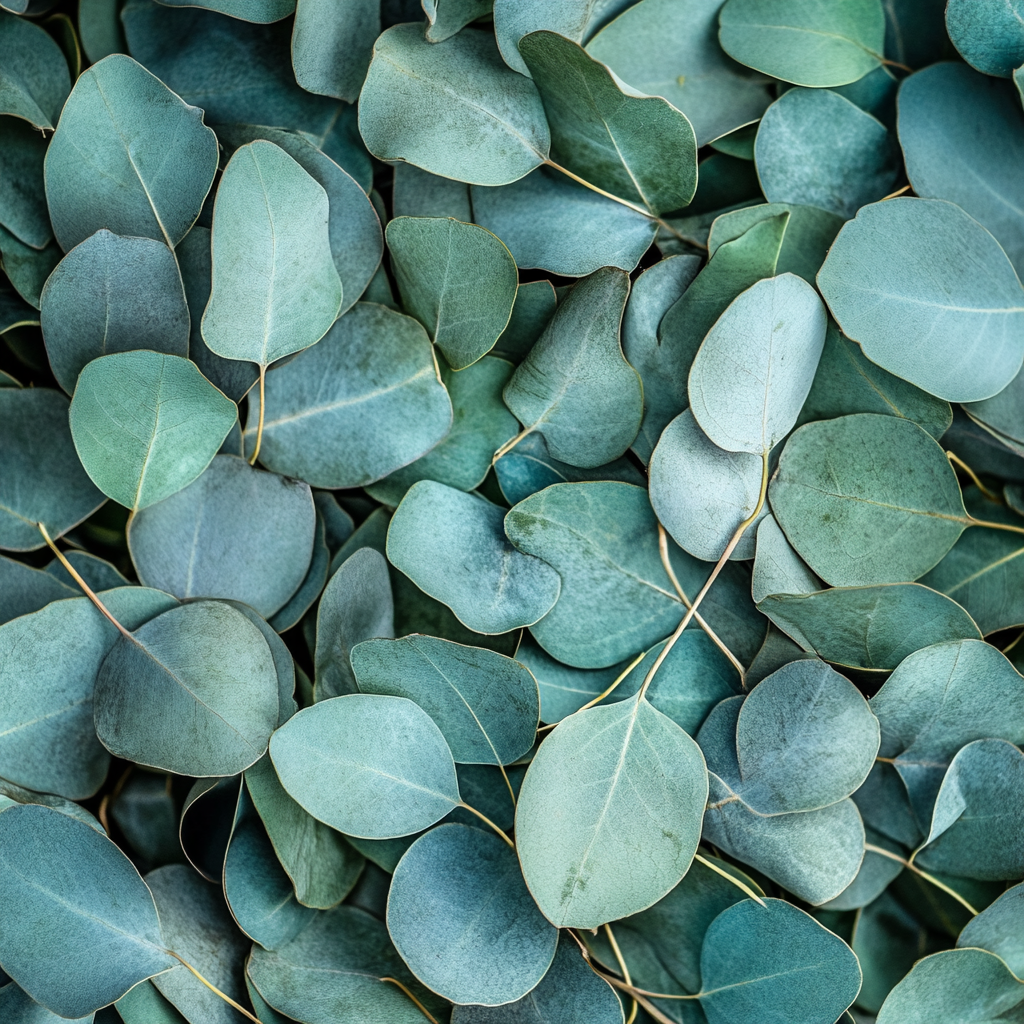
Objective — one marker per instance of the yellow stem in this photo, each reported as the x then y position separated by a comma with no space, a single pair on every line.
216,991
621,961
510,444
618,679
895,64
426,1013
730,878
641,992
882,852
1008,527
259,425
893,195
483,817
101,607
1013,643
511,791
957,461
667,563
719,565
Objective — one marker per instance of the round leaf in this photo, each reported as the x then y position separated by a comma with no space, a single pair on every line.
987,34
36,81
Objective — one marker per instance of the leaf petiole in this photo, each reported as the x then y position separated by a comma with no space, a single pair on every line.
484,818
259,425
216,991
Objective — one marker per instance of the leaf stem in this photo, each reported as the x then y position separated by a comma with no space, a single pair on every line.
666,562
882,852
101,607
893,195
1008,527
259,425
426,1013
604,693
483,817
730,878
621,961
216,991
957,461
719,565
640,992
511,791
510,444
1013,643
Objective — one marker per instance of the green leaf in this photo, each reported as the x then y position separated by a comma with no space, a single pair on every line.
806,43
146,425
776,331
987,34
857,519
193,691
331,45
453,547
24,590
22,199
82,938
463,920
486,705
778,569
17,1005
639,148
388,769
199,542
817,148
284,666
1002,413
929,295
670,48
128,155
275,288
421,101
112,294
144,1005
872,628
36,81
257,11
42,480
605,828
997,929
887,941
446,17
27,268
364,402
575,387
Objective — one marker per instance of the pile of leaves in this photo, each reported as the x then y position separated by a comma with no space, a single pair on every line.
513,511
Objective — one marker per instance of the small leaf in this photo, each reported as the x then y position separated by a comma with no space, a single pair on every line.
331,45
987,34
36,81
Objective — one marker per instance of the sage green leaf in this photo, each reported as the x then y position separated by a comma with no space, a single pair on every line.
294,609
364,402
99,28
17,1005
486,705
872,628
975,985
949,119
885,806
357,605
575,387
774,963
639,148
778,569
193,691
146,425
416,193
237,72
14,312
196,925
422,102
27,268
24,590
1002,413
605,829
776,651
570,993
462,918
453,547
144,1005
776,331
446,17
978,815
275,290
982,570
887,941
929,295
284,666
353,227
552,223
22,199
147,816
331,45
322,866
997,929
334,970
819,45
36,81
847,382
48,666
480,425
457,279
987,34
534,306
128,155
670,49
701,493
817,148
209,801
71,921
857,519
876,872
200,542
387,768
257,11
258,892
112,294
42,480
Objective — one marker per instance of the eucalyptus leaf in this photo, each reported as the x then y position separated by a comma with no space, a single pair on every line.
27,268
331,45
996,930
22,200
778,569
247,10
987,34
36,81
417,193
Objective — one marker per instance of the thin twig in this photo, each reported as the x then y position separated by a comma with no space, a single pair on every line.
730,878
882,852
426,1013
957,461
510,444
483,817
259,425
621,961
216,991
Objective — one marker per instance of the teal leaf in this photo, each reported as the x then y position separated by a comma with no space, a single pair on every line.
275,288
462,918
887,941
24,590
929,295
371,766
446,17
778,569
312,585
22,198
260,12
1002,413
17,1005
486,705
36,81
332,44
200,541
284,666
416,193
453,547
27,268
144,1005
112,294
605,829
99,28
819,45
193,691
987,34
575,387
421,102
146,425
102,913
997,929
128,155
